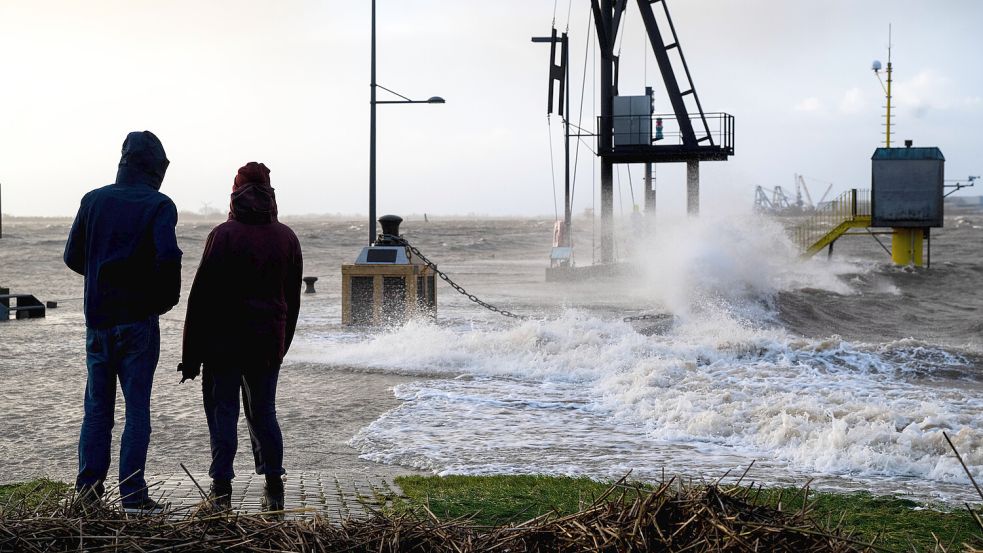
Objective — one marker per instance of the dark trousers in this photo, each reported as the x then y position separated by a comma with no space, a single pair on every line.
220,386
129,353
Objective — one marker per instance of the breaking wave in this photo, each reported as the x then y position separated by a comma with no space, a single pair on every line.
724,384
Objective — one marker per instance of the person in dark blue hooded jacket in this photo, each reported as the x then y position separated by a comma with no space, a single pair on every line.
123,242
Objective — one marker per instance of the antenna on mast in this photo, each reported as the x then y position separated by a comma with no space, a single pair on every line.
876,66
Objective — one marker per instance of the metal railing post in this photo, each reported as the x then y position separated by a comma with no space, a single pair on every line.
853,203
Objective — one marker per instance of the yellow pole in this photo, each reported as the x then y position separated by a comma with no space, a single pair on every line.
906,246
888,133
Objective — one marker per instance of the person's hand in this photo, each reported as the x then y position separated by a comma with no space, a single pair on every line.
188,371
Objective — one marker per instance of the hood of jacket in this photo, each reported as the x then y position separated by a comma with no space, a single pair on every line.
143,161
253,199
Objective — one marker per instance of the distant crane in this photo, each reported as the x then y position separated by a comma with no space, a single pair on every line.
761,201
800,187
780,201
822,201
829,186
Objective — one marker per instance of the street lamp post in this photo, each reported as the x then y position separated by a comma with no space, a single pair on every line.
372,139
372,132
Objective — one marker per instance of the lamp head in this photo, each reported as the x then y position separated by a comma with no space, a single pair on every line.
876,66
435,100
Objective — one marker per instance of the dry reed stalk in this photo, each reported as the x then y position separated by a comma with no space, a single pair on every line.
698,519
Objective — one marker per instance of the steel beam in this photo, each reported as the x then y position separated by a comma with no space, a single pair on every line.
693,187
649,191
607,108
668,75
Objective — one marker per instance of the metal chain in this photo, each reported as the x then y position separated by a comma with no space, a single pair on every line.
460,289
504,312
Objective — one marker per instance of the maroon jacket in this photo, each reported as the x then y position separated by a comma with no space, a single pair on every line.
245,298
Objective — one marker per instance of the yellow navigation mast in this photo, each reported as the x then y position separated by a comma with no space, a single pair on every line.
906,243
887,89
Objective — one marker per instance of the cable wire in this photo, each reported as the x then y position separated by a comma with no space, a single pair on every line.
645,59
624,25
580,118
593,172
549,131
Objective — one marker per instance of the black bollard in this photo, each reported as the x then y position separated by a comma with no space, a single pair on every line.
309,281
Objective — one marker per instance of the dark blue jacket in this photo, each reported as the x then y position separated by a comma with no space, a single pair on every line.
123,240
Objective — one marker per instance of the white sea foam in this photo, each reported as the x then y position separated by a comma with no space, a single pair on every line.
830,407
690,262
588,394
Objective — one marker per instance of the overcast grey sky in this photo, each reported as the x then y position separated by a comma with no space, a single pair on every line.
286,82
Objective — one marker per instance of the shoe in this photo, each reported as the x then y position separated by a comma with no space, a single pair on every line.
273,494
144,506
88,498
219,496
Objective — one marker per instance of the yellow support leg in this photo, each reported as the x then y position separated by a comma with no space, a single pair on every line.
906,246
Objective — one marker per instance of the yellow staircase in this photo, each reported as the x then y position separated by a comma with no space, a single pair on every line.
849,210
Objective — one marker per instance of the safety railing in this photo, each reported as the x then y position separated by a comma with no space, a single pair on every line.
848,209
663,129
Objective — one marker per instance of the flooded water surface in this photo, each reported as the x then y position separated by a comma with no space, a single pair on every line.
846,371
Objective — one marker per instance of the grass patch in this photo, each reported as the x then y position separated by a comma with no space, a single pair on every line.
897,523
493,500
31,493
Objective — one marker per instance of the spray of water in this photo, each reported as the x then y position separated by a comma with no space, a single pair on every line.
586,394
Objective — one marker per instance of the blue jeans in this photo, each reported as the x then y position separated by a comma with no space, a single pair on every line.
220,387
129,353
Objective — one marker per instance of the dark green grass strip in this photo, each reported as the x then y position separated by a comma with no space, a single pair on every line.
495,500
491,500
31,493
899,523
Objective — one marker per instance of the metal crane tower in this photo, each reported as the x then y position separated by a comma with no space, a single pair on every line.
624,132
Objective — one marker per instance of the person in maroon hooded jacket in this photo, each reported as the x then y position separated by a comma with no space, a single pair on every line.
242,313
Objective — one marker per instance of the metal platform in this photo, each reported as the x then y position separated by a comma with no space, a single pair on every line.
674,142
668,154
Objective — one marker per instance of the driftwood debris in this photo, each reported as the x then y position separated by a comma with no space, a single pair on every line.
705,518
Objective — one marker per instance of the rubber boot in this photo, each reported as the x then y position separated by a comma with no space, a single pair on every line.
220,495
88,498
273,493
